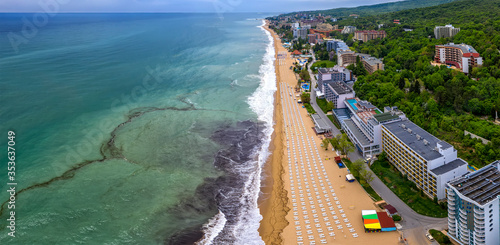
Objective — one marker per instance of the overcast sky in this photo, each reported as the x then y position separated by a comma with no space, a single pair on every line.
275,6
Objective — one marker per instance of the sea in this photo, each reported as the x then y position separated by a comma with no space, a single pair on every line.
134,128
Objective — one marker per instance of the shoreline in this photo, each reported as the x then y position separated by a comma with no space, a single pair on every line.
279,194
273,203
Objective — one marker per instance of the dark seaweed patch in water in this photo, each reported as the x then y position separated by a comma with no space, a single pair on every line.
226,193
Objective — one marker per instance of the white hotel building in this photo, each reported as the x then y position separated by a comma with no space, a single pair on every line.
473,207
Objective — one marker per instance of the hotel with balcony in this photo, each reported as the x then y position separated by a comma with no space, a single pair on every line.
426,160
461,56
333,74
362,123
371,64
473,207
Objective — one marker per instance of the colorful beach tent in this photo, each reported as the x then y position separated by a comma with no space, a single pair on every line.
377,221
370,220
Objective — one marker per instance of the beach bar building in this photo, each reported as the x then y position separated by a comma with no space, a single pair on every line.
320,126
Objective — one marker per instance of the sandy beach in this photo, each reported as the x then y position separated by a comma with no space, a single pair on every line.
308,199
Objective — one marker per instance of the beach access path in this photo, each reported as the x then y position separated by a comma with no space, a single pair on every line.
415,225
324,207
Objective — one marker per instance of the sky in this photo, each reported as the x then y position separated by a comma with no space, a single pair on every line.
207,6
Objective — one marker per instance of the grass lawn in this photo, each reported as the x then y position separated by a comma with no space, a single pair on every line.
407,190
323,64
322,103
309,108
440,237
367,186
333,121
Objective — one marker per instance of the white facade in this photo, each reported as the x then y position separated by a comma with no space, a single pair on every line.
473,219
427,161
442,55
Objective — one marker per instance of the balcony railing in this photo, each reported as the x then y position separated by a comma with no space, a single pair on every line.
478,216
479,239
478,210
451,202
479,222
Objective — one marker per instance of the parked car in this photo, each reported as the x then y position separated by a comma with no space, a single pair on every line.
429,237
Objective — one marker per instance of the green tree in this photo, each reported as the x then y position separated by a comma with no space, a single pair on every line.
325,143
345,145
305,97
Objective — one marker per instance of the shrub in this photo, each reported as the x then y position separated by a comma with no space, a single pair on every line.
396,218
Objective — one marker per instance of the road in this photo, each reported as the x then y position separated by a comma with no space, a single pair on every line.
414,225
315,106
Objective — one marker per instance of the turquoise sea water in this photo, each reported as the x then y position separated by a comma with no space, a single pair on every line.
136,129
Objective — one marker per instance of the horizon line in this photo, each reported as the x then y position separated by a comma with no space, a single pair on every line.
145,12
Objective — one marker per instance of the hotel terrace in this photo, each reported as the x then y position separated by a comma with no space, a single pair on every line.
426,160
461,56
362,123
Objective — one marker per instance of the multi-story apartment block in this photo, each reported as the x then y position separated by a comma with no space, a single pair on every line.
301,32
474,206
336,45
445,31
369,35
338,92
347,57
333,74
362,123
348,29
372,64
313,38
426,160
461,56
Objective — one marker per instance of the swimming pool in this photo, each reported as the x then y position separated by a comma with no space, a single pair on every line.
305,86
352,102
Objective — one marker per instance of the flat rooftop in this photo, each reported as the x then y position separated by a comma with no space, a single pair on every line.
481,186
339,87
464,47
330,70
449,166
357,132
419,140
320,123
372,61
383,117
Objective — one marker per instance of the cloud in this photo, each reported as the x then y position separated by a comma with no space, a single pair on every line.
181,5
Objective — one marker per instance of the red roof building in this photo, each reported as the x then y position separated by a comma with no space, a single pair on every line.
392,210
462,56
296,52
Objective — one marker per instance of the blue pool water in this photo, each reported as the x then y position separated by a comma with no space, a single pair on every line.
352,102
305,86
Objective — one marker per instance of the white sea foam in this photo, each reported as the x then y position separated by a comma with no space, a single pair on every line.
212,229
262,103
